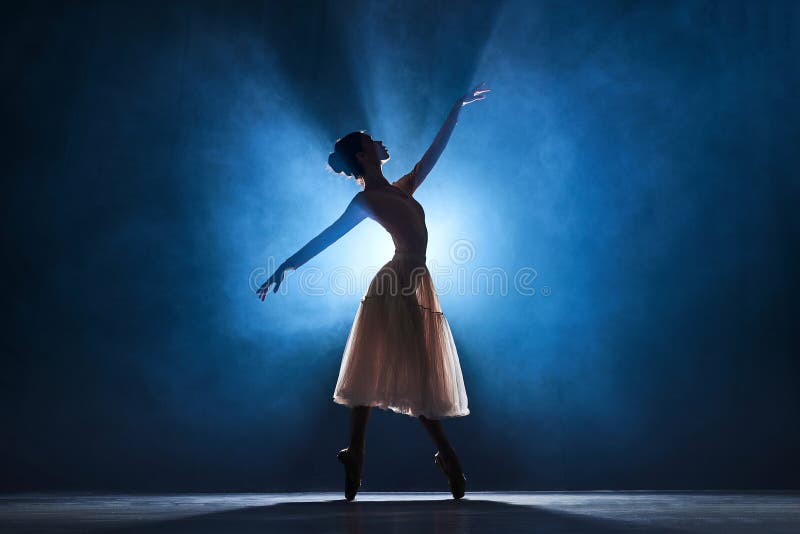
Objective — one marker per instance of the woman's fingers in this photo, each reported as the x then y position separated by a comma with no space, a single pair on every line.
474,99
263,290
279,280
480,88
476,94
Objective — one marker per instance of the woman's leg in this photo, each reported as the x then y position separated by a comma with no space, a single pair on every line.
434,428
447,455
353,456
359,415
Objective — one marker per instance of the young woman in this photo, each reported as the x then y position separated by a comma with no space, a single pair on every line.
400,354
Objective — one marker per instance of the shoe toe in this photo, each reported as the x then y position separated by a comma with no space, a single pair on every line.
456,483
352,480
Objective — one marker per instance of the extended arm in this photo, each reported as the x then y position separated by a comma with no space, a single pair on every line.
431,155
414,179
354,214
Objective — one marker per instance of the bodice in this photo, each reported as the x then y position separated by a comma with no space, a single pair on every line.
401,216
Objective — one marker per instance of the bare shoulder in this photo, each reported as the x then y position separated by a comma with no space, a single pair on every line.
408,182
360,202
365,195
360,198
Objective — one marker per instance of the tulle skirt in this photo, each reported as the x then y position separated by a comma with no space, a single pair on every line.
400,354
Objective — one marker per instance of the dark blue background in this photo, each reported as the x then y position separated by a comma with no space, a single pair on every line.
640,156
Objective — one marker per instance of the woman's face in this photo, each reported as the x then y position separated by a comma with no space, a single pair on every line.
375,150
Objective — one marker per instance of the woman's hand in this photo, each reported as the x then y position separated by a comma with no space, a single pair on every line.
475,95
276,278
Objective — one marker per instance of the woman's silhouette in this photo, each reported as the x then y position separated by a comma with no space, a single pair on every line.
400,353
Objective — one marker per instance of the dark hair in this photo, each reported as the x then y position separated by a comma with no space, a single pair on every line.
343,158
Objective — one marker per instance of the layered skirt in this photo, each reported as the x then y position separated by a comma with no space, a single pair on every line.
400,354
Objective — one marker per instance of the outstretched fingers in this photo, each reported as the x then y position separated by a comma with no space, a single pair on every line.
480,89
478,93
264,289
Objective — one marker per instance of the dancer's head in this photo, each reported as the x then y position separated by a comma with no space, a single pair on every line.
355,154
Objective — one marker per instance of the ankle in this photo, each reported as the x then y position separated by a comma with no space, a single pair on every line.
357,451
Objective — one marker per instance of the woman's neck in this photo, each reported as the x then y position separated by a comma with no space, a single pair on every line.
375,180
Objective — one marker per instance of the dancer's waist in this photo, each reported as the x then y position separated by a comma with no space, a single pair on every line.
406,254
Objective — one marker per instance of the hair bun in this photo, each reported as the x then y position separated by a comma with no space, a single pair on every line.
335,162
343,159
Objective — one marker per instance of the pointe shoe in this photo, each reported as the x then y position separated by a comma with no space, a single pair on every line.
455,478
352,472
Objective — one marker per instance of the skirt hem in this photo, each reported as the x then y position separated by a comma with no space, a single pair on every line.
398,407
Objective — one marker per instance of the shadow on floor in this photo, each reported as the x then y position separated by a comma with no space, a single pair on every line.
413,516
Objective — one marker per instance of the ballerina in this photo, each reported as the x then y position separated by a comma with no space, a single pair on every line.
400,354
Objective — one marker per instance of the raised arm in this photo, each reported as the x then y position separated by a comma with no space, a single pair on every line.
355,212
411,181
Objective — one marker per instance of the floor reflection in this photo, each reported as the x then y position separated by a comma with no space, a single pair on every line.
416,513
406,516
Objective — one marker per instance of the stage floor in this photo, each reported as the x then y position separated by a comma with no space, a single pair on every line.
418,513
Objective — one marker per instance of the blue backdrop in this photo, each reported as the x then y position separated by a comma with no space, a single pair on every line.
638,160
